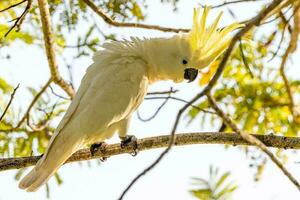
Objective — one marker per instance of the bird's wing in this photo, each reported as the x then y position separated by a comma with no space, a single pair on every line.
112,96
103,99
84,85
107,94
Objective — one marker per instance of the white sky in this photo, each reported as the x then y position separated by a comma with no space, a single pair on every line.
171,178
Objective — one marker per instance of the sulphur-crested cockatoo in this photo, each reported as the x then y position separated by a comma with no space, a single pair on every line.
116,83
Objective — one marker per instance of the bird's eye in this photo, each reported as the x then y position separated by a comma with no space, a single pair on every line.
184,62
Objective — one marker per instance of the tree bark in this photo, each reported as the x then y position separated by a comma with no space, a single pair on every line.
159,142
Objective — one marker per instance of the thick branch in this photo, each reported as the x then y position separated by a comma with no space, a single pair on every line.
159,142
49,46
112,22
226,3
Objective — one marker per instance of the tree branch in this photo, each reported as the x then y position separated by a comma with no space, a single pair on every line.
49,46
160,142
156,111
226,3
295,33
181,100
13,5
244,59
9,102
285,79
26,114
20,19
253,140
291,48
110,21
171,91
248,26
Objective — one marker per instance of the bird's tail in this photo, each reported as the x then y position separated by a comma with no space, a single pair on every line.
61,147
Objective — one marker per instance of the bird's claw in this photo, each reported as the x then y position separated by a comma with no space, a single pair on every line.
99,147
130,140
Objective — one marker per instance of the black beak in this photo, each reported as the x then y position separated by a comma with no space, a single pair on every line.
190,74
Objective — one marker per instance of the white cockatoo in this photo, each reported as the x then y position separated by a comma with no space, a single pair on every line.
116,83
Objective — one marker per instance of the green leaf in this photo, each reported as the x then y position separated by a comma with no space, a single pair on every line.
19,174
215,188
13,35
202,194
222,179
226,191
4,86
58,179
82,5
136,11
47,191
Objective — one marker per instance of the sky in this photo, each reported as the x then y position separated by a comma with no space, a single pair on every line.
171,179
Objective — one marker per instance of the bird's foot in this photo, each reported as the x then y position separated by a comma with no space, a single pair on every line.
130,140
99,147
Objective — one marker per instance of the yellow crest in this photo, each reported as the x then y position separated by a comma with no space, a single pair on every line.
208,43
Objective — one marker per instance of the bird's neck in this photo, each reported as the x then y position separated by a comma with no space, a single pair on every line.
150,51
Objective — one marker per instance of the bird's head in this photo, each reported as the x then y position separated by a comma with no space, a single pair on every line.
181,56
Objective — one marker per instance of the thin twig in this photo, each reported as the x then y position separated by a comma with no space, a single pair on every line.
252,140
49,46
283,4
285,21
35,99
57,95
290,49
285,79
160,142
286,24
279,44
19,20
226,3
180,100
296,31
42,125
276,17
10,101
249,25
155,113
163,92
112,22
245,60
12,6
27,112
169,92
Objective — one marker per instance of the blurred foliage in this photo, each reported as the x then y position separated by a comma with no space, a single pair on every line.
217,187
34,134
